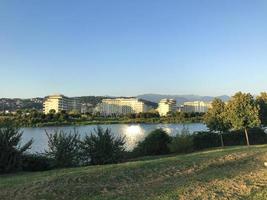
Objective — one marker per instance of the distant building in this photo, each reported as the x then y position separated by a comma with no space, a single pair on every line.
61,103
87,108
166,106
122,106
196,106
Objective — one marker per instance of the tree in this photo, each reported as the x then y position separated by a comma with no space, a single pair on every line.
262,102
182,142
10,151
52,111
156,143
243,112
64,148
215,118
102,147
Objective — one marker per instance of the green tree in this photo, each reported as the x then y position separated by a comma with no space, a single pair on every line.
262,102
215,118
52,111
102,147
243,112
64,148
10,151
156,143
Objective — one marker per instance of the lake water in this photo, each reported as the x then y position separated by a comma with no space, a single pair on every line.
133,133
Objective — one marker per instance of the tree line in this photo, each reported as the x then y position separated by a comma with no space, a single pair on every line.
241,112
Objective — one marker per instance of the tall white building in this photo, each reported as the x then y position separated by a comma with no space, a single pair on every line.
166,106
196,106
60,103
122,106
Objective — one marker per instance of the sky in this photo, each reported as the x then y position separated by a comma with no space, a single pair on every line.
132,47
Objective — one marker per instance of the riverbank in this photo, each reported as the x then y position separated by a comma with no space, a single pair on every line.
230,173
84,123
37,119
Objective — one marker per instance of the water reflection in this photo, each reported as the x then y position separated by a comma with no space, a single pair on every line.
133,134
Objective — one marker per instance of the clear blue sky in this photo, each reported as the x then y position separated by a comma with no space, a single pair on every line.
130,47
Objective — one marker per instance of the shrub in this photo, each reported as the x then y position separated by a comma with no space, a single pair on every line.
156,143
64,148
36,162
182,142
256,136
103,148
10,151
202,140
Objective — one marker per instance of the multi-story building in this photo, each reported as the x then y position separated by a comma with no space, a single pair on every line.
60,103
166,106
122,106
196,106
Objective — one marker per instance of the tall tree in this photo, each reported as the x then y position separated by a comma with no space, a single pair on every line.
215,118
262,102
243,112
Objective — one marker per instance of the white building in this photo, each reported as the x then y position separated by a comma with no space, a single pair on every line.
60,103
122,106
166,106
196,106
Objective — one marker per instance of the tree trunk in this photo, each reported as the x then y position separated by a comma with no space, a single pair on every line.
246,133
222,143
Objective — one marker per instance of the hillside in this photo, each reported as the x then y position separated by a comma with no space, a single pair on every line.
232,173
180,98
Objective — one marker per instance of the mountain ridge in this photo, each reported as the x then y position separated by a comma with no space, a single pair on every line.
181,98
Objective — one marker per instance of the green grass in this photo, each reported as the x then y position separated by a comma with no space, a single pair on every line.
231,173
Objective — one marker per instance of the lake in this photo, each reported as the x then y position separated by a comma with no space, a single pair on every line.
133,133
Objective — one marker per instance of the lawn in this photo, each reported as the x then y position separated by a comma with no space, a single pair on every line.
230,173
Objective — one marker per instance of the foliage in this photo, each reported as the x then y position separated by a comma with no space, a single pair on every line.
156,143
203,140
243,112
36,162
102,147
10,150
182,142
64,148
262,102
215,118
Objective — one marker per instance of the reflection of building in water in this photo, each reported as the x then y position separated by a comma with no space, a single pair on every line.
122,106
166,106
133,135
196,106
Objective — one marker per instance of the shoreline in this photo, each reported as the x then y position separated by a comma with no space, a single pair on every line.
86,123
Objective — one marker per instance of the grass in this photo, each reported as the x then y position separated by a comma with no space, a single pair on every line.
230,173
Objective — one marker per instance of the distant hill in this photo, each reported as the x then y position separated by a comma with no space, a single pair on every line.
180,98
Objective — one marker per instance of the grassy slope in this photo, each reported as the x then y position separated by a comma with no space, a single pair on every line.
232,173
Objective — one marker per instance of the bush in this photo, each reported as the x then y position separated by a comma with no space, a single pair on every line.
203,140
182,143
156,143
102,148
256,136
36,162
10,151
64,148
